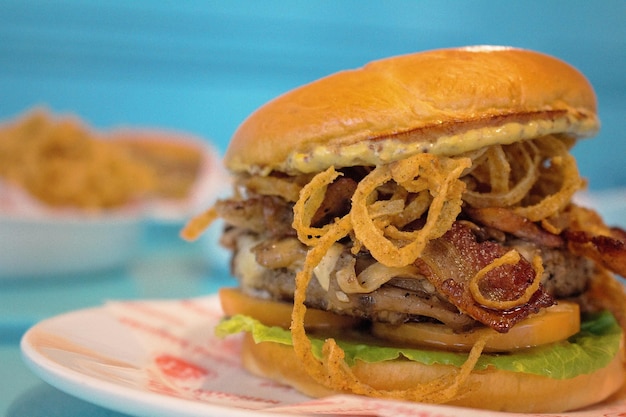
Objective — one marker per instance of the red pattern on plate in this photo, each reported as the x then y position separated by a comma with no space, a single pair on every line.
181,369
190,362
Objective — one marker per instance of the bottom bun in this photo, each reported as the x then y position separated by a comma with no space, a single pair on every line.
491,389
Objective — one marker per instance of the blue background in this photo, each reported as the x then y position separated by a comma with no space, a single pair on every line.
203,66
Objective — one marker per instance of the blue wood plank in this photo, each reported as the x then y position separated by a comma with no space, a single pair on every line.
203,66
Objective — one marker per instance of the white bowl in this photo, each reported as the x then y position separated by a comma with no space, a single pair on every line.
39,241
56,246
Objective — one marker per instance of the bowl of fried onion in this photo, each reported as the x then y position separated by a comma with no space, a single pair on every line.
76,200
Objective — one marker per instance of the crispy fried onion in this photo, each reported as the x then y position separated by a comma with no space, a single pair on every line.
439,390
194,228
371,222
311,197
417,174
332,370
512,257
495,169
536,178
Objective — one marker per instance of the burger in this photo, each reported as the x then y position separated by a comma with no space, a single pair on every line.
408,230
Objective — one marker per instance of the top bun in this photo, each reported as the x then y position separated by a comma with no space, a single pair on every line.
446,102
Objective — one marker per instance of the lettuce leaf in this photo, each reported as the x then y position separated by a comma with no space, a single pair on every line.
591,349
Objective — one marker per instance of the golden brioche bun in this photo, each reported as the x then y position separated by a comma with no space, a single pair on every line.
446,102
491,389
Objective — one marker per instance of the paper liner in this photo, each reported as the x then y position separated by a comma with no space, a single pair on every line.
186,360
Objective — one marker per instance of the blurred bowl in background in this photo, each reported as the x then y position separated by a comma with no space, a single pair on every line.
39,241
190,172
53,246
178,157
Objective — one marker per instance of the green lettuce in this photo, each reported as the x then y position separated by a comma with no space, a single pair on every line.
593,348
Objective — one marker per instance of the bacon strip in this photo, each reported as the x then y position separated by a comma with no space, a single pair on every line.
608,251
451,261
507,221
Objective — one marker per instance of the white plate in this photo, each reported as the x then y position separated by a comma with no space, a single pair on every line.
89,354
160,358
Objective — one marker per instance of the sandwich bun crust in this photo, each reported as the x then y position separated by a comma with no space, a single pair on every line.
420,109
491,389
446,102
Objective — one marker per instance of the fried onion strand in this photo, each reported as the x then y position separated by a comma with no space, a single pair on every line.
510,258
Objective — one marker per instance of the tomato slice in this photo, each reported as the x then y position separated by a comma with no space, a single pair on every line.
276,313
550,325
